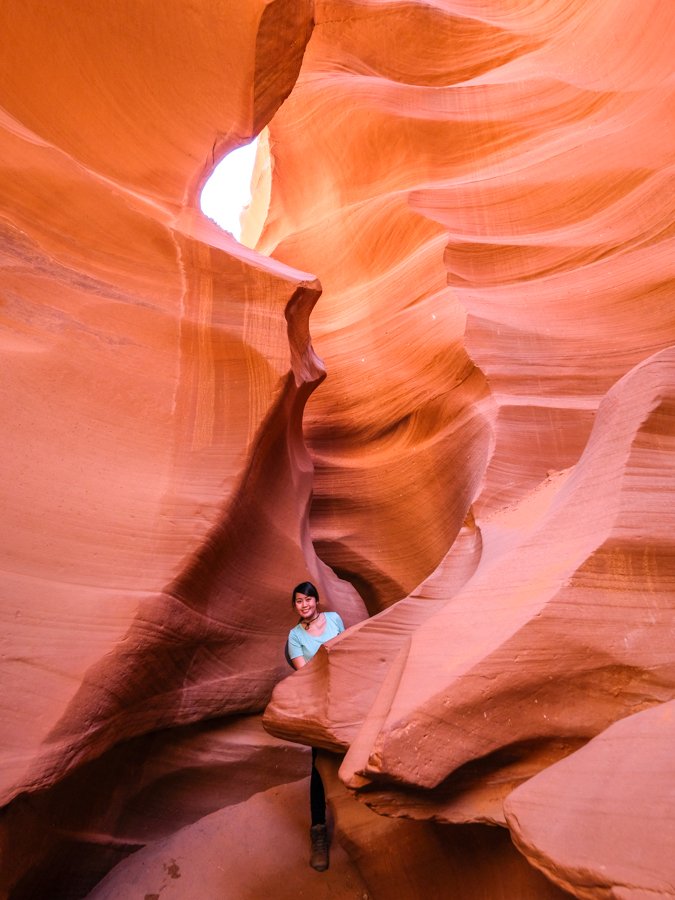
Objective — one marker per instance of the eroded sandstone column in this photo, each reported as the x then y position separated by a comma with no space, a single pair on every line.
155,477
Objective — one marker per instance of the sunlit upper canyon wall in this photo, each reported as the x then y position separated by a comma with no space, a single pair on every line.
441,387
155,480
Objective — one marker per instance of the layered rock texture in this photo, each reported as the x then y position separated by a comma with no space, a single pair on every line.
612,834
155,479
441,386
529,144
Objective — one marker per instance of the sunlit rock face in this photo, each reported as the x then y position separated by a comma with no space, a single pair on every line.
155,480
530,143
537,593
483,191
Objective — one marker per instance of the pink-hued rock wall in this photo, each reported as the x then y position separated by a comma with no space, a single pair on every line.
156,481
536,137
539,606
612,832
442,387
564,627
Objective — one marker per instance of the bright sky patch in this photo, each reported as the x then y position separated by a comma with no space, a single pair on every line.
228,190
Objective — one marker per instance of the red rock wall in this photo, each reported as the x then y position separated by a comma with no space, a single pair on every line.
483,192
156,481
536,135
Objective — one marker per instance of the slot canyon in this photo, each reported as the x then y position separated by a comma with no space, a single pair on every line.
436,379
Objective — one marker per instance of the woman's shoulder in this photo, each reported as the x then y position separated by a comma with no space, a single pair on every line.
334,617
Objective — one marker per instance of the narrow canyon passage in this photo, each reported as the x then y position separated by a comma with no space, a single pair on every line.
435,377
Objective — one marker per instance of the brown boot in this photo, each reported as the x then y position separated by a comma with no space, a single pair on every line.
319,837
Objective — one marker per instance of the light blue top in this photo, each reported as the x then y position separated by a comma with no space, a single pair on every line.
300,643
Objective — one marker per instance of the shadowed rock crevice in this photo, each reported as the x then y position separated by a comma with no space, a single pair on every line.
474,792
59,842
476,860
187,655
287,24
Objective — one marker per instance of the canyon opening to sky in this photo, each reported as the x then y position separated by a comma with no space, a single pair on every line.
228,190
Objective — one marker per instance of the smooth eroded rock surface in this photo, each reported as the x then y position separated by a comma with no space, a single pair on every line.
567,631
530,144
483,190
259,848
59,842
613,827
155,480
564,627
403,860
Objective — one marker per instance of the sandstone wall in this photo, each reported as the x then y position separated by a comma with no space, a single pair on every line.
440,387
535,581
156,481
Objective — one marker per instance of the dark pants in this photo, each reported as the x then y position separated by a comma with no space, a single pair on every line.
317,797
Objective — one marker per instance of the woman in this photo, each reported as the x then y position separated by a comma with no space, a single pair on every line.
313,630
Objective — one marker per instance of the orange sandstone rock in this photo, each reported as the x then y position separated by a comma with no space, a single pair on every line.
601,822
566,632
63,840
146,100
549,162
563,628
155,481
486,199
403,860
548,167
258,848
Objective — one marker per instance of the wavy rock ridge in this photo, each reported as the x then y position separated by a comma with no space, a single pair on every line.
539,594
156,482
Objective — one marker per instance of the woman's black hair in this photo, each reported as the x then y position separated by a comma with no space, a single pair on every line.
306,588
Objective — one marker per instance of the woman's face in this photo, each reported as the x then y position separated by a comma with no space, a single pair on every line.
305,605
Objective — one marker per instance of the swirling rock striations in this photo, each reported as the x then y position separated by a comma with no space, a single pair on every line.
548,162
564,627
568,630
156,482
548,165
484,191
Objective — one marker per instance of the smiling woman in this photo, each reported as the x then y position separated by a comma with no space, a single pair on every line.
314,629
228,190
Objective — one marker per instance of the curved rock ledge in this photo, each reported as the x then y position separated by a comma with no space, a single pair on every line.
612,834
564,628
156,482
